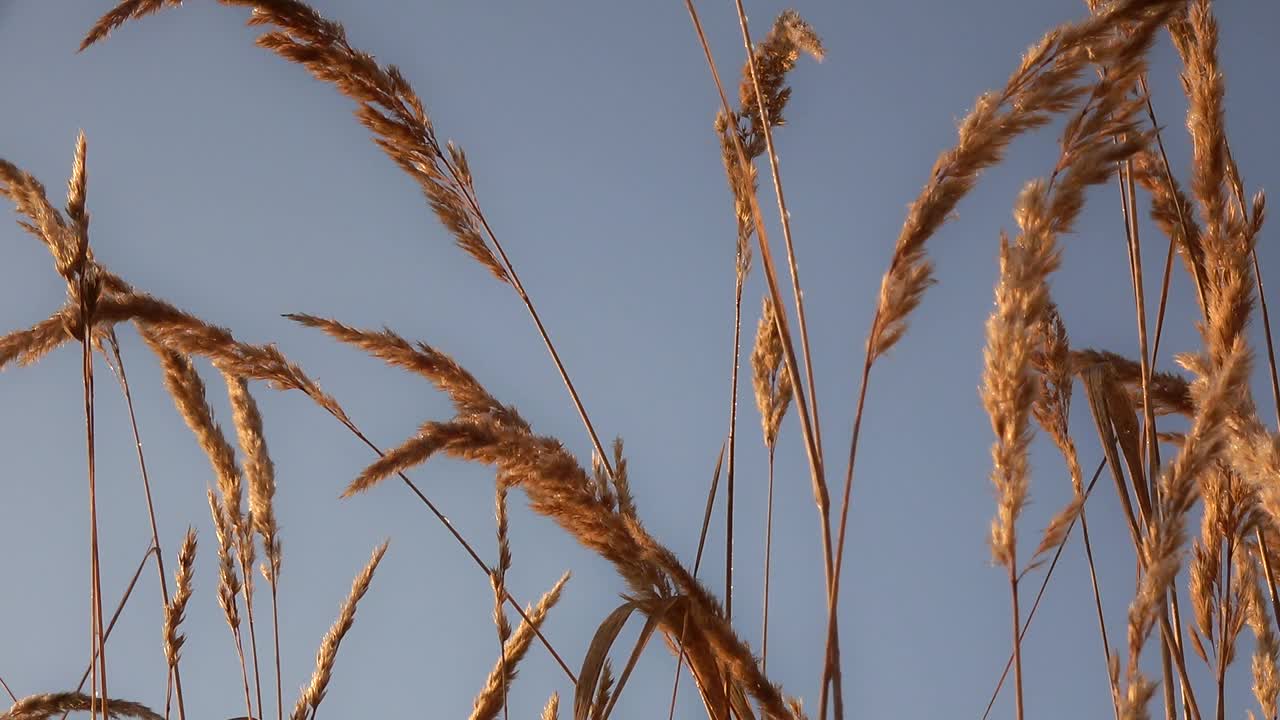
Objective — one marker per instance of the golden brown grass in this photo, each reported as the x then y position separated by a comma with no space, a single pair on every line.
1091,74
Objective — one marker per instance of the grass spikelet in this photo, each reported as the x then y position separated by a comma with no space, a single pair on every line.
491,698
552,709
46,223
122,13
29,345
1043,85
229,585
498,578
187,389
774,57
174,612
1266,677
469,397
259,470
772,386
313,694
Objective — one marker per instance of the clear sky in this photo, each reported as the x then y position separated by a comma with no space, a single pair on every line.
232,184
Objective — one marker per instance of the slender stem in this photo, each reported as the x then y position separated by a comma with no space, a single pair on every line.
122,377
821,495
697,563
1097,606
1129,207
244,673
533,313
729,471
275,631
124,600
247,571
1017,633
729,474
768,556
785,216
7,691
1224,651
830,670
1044,584
95,567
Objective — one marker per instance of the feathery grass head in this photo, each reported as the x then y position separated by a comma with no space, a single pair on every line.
260,471
489,702
311,696
228,582
174,612
771,383
42,707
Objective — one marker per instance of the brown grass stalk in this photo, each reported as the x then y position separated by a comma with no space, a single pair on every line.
773,397
812,453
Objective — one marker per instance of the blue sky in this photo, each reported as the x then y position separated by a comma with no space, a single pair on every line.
233,185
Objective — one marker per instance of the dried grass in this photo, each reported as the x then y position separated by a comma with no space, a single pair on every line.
1227,465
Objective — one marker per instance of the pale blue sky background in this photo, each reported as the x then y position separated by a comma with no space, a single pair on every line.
232,184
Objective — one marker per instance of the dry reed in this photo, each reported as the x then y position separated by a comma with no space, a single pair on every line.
1228,462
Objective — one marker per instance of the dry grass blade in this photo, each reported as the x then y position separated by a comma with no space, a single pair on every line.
656,611
1170,392
591,678
313,694
42,707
